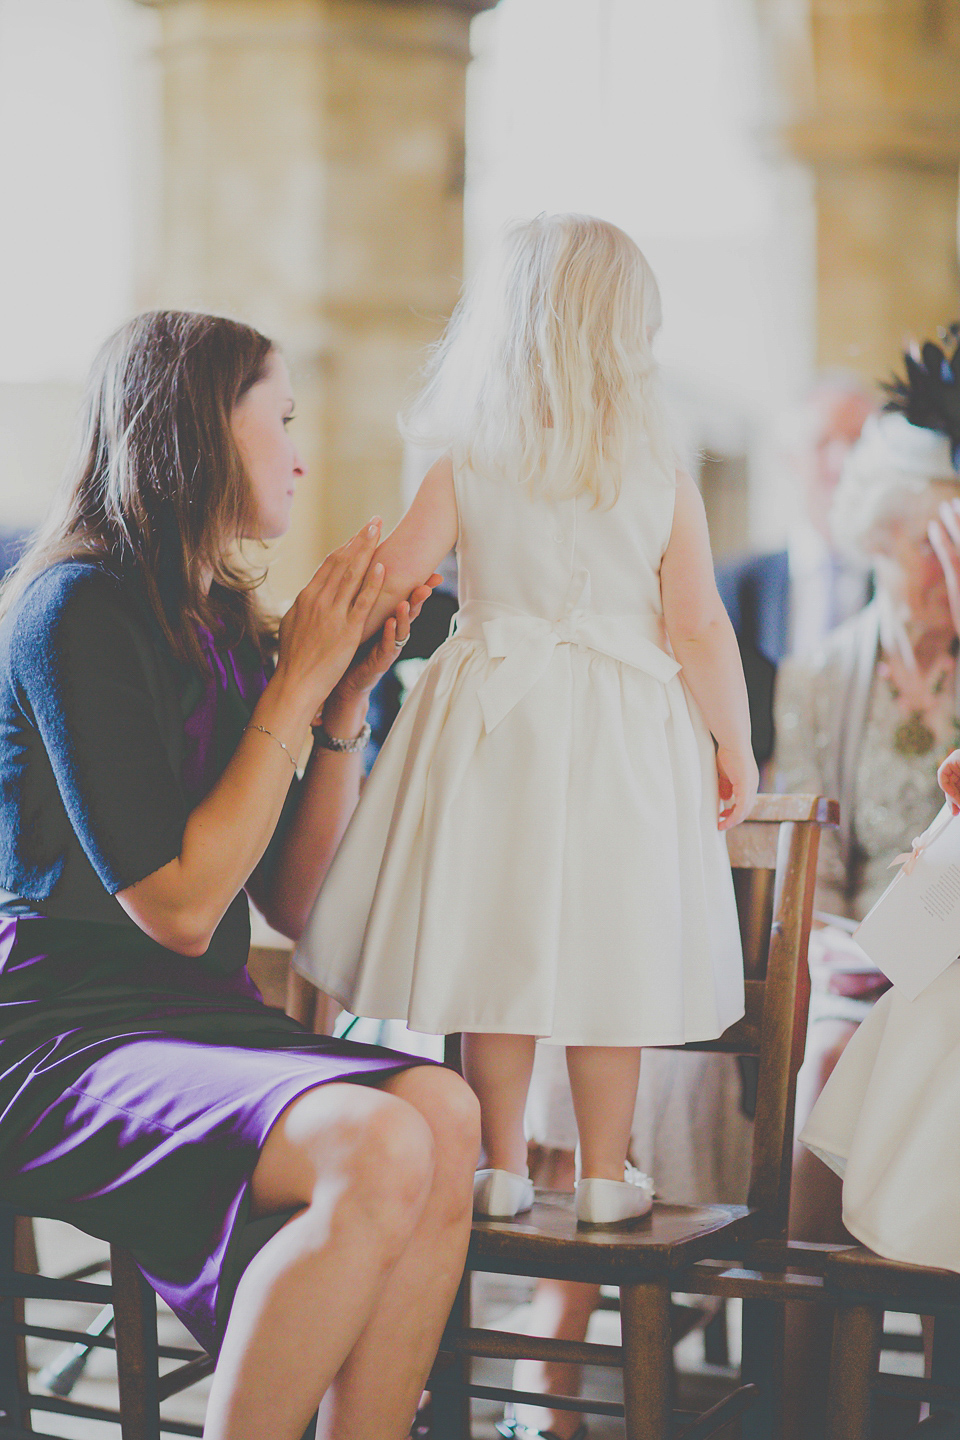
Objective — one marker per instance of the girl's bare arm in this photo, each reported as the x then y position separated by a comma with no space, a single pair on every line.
413,550
706,646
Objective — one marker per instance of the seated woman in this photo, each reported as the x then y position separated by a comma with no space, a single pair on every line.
867,720
886,1120
302,1204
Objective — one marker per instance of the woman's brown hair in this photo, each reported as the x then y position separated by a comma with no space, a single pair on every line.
157,482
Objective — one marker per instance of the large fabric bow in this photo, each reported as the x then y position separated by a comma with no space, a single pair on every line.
524,643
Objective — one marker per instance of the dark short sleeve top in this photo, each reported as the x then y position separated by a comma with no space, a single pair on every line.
90,783
95,758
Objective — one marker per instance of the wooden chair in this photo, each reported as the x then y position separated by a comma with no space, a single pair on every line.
702,1249
863,1286
139,1383
141,1388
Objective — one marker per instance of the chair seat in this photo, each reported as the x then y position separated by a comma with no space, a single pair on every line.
860,1271
546,1241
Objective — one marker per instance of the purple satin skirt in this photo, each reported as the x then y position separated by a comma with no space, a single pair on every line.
134,1103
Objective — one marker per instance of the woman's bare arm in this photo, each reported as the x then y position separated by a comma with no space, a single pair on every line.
329,791
181,904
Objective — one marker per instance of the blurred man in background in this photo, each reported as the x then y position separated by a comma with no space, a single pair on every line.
784,602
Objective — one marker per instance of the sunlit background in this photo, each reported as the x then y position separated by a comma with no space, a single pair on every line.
248,156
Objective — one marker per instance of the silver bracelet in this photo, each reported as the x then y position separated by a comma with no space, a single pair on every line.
342,747
264,731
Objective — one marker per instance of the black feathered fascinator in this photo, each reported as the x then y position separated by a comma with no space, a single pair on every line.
930,395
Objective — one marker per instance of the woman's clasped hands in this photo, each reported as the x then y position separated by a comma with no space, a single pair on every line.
323,629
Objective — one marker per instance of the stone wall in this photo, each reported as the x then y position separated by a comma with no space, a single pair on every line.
871,92
313,184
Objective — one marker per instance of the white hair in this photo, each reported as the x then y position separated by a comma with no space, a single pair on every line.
891,464
545,371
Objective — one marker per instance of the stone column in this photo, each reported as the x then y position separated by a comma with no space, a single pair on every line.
872,99
312,162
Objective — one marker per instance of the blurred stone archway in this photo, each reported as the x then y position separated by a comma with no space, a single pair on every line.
312,183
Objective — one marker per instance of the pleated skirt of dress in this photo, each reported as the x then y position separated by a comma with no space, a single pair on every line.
560,876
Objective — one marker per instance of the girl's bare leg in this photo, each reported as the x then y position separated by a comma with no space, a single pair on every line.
603,1082
498,1070
383,1177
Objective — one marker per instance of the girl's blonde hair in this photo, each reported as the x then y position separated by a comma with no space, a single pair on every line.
157,483
546,370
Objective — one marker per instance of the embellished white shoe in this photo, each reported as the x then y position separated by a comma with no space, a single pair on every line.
499,1194
611,1202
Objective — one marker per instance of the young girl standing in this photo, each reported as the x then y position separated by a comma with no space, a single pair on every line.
537,852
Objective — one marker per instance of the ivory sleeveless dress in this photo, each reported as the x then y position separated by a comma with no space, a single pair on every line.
888,1122
536,849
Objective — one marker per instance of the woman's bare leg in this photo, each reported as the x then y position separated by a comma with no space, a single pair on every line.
387,1368
603,1083
561,1310
498,1070
384,1178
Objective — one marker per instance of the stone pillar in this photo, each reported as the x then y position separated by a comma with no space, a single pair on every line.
872,92
312,163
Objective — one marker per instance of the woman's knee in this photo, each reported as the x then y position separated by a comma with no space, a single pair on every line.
348,1150
449,1107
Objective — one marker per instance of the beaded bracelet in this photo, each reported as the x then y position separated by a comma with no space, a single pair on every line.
264,731
343,747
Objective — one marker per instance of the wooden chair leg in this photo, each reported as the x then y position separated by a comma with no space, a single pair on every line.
857,1331
13,1411
450,1397
135,1311
762,1365
647,1360
945,1367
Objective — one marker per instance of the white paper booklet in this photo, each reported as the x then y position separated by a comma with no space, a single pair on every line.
913,931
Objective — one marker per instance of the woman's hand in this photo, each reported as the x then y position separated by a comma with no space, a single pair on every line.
321,631
738,780
948,778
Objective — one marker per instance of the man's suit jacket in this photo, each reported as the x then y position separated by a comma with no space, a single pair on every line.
756,595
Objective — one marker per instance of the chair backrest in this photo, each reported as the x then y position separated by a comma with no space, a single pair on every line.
774,859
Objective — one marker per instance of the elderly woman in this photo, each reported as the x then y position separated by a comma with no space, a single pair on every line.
868,720
303,1204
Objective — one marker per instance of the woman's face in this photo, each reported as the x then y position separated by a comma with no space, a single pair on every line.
260,422
906,563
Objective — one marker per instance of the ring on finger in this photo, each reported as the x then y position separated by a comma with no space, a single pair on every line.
399,644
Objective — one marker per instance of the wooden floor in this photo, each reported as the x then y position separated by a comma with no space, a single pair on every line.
499,1300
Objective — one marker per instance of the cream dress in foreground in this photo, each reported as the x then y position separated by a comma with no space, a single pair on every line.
888,1121
536,849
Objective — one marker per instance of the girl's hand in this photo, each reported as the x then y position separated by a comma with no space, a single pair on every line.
370,666
321,631
948,778
738,780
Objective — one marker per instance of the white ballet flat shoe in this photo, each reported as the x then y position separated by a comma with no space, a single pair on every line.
611,1202
499,1194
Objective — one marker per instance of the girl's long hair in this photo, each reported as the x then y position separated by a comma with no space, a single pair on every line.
157,484
546,371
